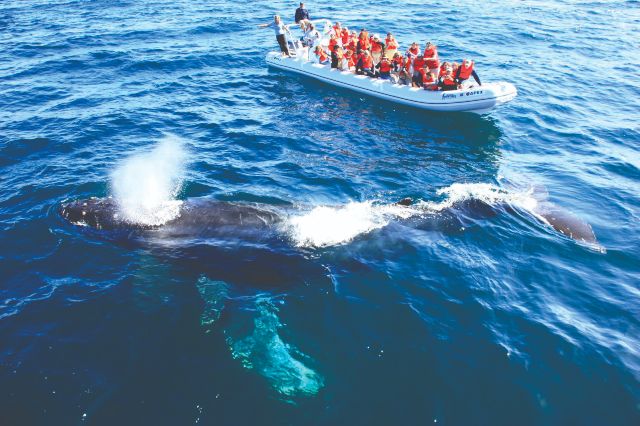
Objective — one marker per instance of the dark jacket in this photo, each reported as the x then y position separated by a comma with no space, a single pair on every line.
301,14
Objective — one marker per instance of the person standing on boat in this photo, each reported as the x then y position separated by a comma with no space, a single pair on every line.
465,71
280,30
302,14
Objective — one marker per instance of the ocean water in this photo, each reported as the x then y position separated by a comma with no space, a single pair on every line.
466,308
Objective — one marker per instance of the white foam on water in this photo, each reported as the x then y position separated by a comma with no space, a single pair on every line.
145,185
280,363
488,193
332,225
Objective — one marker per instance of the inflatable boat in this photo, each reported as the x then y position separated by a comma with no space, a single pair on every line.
472,98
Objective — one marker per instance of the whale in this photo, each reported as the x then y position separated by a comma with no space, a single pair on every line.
205,219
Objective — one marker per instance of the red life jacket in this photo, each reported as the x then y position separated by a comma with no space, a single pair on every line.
465,72
352,61
364,44
414,50
423,74
431,52
345,37
332,44
442,70
433,63
428,78
353,45
385,66
376,47
367,62
399,62
407,64
418,63
391,44
448,80
322,56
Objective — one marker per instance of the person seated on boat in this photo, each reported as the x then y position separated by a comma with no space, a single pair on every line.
443,68
413,50
447,81
418,66
402,78
431,57
365,65
322,56
397,62
302,14
377,49
465,71
391,46
280,29
429,81
384,66
311,36
350,60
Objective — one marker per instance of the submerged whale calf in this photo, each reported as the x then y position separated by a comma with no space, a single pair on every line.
201,219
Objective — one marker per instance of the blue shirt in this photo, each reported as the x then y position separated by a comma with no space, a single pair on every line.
301,14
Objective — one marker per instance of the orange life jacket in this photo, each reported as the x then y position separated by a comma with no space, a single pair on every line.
431,52
332,44
376,47
399,62
367,62
322,56
345,36
364,44
391,44
385,66
414,50
465,72
448,80
433,63
407,64
352,61
418,63
427,77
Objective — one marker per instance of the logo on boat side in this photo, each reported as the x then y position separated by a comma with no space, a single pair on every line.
453,95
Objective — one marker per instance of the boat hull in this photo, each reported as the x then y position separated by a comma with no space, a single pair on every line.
476,99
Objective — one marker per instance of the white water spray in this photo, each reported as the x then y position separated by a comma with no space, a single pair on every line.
145,185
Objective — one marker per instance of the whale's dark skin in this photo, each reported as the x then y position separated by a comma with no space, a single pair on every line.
206,219
199,218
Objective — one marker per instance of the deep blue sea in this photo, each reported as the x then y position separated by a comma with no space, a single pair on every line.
357,311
